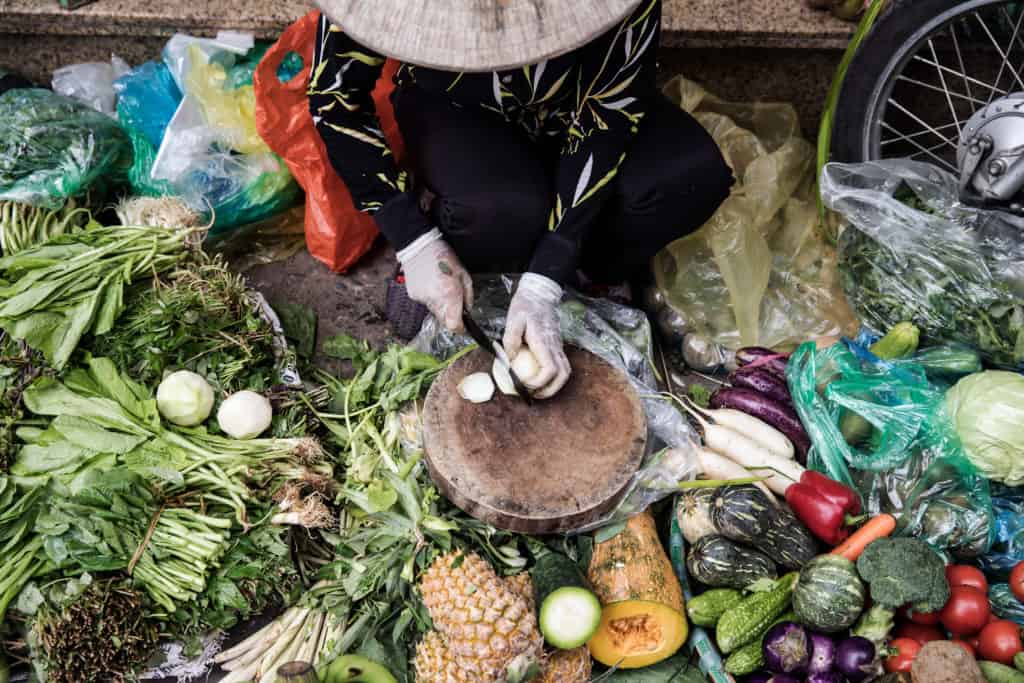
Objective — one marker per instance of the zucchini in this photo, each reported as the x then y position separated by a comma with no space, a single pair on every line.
717,561
706,608
693,512
742,513
569,612
995,672
742,624
901,340
750,657
787,540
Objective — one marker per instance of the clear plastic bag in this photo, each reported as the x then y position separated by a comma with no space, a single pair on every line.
1008,546
91,83
907,460
759,272
910,251
52,148
621,336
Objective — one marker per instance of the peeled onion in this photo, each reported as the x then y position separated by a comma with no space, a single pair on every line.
525,365
502,378
245,415
184,398
477,387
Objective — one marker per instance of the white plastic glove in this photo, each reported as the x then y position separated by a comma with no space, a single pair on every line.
533,316
434,277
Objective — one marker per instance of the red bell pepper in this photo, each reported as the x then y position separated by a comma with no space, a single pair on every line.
825,506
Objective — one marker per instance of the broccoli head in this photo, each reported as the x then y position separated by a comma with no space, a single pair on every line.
904,571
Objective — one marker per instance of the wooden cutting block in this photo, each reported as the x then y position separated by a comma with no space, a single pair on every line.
551,467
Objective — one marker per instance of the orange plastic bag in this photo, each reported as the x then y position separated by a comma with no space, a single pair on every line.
337,233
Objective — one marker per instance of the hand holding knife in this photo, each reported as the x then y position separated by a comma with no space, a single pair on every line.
486,343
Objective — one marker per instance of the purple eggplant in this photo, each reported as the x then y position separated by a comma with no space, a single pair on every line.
758,356
823,654
767,677
776,414
855,659
763,381
826,677
787,648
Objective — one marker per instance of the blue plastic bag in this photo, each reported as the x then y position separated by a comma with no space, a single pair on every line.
1008,546
147,100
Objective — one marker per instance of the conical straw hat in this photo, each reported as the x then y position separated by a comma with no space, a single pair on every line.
475,35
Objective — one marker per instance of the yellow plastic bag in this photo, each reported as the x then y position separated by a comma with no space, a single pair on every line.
759,271
229,110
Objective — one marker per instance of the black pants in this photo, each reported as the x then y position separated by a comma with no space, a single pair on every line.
492,186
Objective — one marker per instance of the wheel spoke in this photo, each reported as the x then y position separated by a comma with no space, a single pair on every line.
960,60
922,123
921,147
919,133
995,44
962,74
951,93
945,88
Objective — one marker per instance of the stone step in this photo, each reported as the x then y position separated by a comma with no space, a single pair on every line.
690,23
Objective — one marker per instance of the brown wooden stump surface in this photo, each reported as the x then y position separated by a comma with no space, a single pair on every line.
550,467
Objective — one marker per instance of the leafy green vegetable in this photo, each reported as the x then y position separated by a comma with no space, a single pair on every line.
75,284
202,318
988,412
299,323
676,669
904,571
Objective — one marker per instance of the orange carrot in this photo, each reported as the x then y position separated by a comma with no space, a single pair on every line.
877,527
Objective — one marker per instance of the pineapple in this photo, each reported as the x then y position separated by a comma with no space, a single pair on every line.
567,666
489,629
435,663
522,585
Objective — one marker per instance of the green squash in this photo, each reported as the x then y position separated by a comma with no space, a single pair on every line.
829,596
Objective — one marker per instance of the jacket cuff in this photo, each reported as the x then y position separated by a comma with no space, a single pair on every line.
401,221
555,257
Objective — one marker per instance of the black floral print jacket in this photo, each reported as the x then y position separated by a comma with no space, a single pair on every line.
588,103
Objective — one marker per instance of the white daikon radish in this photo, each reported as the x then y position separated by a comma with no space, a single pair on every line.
502,378
245,415
717,466
781,472
477,388
754,429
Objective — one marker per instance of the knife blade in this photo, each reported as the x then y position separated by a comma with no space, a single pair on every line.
487,344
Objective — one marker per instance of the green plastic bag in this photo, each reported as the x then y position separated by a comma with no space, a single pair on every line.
53,148
907,460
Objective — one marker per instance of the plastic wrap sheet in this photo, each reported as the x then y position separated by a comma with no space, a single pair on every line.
910,251
759,272
1008,546
620,336
907,461
53,147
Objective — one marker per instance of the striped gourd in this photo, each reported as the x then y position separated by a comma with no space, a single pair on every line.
716,561
829,595
742,513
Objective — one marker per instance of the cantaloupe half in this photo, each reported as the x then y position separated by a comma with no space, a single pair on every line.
643,617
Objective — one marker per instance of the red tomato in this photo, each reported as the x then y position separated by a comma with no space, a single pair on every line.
991,618
1000,641
1017,581
974,642
919,632
924,618
906,650
966,612
963,575
971,650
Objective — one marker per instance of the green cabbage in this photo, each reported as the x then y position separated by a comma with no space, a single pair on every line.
988,411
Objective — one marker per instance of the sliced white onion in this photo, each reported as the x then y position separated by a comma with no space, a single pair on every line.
502,378
477,388
525,365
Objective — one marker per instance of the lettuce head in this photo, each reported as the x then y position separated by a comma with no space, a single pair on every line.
988,411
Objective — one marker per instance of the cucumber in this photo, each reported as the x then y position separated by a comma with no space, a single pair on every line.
741,624
1000,673
709,606
569,612
750,657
